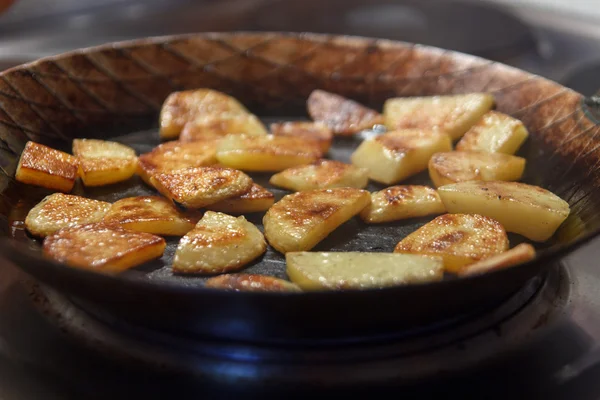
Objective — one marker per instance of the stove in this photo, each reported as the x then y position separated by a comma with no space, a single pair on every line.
543,341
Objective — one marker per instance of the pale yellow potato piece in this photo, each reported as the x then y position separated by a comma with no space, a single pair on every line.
495,133
462,166
175,156
397,155
58,211
460,239
401,202
343,116
453,115
266,153
182,107
257,199
43,166
102,162
218,126
103,248
199,187
250,283
151,214
528,210
355,270
317,131
219,243
301,220
517,255
322,174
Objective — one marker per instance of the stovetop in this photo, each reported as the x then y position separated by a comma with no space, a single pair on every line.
542,342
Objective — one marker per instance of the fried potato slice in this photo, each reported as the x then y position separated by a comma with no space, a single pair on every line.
401,202
103,248
355,270
43,166
250,283
219,243
462,166
59,210
528,210
182,107
517,255
343,116
266,153
397,155
495,133
199,187
102,162
453,115
217,126
150,214
174,156
317,131
322,174
257,199
301,220
460,239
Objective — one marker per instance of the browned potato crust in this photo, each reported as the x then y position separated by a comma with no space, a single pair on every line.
43,166
343,116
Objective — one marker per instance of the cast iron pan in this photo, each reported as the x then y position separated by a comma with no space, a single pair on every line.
116,91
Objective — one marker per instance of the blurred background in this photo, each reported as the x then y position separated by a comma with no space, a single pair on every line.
555,38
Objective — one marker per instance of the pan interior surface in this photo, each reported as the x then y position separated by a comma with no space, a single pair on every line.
354,235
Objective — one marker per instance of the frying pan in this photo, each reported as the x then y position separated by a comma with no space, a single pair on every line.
115,91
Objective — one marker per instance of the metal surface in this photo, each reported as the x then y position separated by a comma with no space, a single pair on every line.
57,350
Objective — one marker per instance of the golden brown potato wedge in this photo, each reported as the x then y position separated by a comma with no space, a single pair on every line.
343,116
401,202
219,243
453,115
199,187
517,255
174,156
257,199
182,107
103,162
529,210
317,131
43,166
462,166
150,214
354,270
495,133
266,153
250,283
397,155
460,239
103,248
322,174
58,211
217,126
301,220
